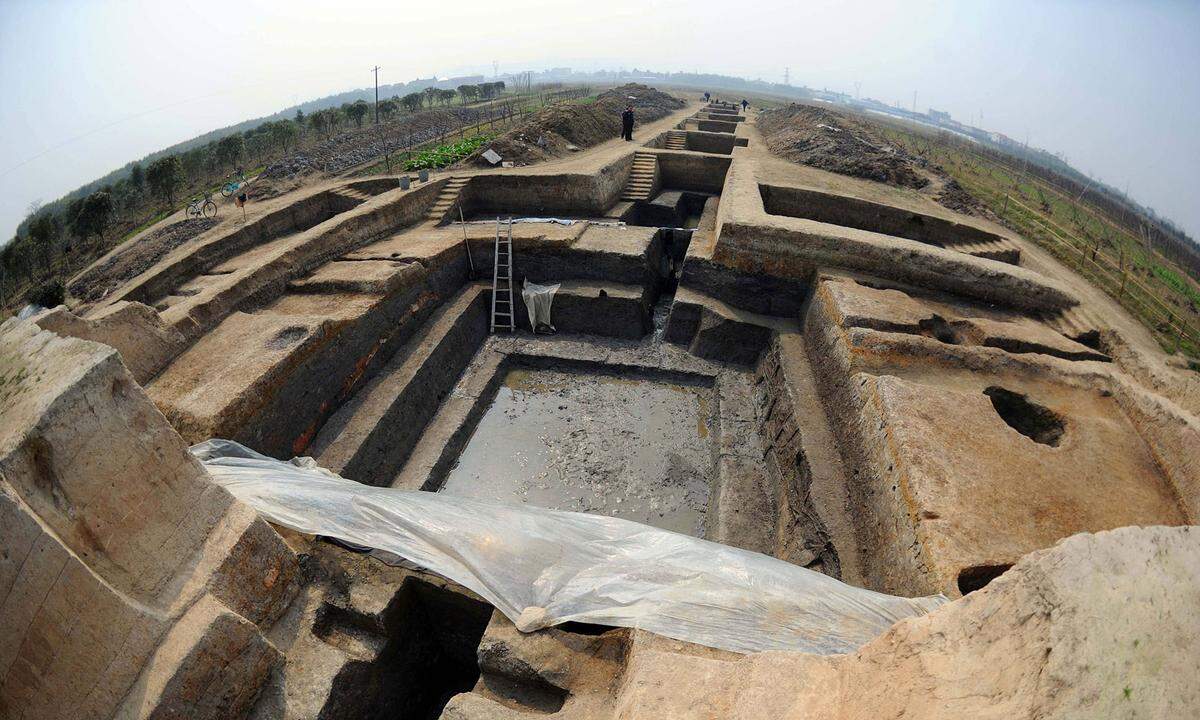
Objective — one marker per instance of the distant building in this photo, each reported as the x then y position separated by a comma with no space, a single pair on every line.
939,116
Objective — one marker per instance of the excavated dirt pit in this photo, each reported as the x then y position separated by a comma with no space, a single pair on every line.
866,215
670,209
627,446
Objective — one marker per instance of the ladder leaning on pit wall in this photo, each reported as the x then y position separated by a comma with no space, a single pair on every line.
502,291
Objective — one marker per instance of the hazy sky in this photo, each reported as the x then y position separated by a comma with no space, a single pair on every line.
87,86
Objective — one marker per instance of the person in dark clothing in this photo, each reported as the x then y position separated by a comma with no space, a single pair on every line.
627,123
744,104
707,96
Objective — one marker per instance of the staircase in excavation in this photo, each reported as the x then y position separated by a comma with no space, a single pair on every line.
1074,322
446,200
1002,250
357,196
676,140
641,179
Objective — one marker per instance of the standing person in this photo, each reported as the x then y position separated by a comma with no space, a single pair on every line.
627,123
707,96
744,104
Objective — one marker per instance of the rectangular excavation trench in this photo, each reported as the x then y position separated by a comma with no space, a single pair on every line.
871,216
590,438
704,142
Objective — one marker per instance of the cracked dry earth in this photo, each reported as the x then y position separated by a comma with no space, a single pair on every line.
830,370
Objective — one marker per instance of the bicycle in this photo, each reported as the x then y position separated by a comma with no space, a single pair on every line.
202,206
235,184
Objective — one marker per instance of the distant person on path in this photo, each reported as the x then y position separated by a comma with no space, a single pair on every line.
627,123
707,97
744,104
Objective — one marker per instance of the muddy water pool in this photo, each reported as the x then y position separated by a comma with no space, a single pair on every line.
628,447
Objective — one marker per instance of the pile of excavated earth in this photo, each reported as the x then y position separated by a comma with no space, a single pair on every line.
820,374
565,127
845,144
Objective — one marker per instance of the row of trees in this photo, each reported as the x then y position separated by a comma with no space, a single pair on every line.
329,120
73,229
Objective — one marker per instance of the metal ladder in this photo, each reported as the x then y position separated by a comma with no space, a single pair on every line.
502,291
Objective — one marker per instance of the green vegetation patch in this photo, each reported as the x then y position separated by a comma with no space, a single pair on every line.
447,154
1176,282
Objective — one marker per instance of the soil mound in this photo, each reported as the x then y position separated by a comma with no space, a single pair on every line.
548,132
832,141
957,198
137,258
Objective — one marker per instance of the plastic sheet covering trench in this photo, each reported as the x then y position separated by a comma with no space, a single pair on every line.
544,567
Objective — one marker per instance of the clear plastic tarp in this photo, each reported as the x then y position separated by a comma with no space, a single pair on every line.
544,567
29,311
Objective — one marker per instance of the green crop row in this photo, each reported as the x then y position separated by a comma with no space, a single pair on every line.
1176,282
447,154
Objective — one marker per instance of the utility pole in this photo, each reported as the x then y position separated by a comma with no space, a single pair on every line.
786,71
857,85
376,71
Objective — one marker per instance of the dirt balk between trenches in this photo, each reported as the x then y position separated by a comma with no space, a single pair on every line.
547,133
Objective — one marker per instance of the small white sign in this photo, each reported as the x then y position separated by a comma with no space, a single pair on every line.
491,156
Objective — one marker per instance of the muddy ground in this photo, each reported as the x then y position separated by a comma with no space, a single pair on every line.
548,133
838,142
137,258
626,447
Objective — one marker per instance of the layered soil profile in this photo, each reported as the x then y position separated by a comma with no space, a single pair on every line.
748,358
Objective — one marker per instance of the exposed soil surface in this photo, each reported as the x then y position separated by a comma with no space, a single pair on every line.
548,132
626,447
836,142
134,260
844,144
955,196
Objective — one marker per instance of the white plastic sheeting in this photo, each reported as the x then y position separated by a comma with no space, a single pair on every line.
29,311
538,299
544,567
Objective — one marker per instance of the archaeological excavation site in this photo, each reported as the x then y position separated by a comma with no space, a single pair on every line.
680,427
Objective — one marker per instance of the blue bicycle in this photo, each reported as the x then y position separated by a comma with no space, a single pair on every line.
236,181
